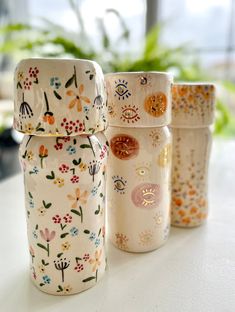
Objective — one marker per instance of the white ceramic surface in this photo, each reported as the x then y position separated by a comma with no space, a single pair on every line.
139,106
139,99
138,187
59,97
192,112
64,181
191,152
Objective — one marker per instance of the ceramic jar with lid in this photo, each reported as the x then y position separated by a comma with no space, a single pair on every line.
61,107
138,176
193,107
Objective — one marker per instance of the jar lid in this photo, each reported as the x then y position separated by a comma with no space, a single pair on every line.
193,104
59,97
139,99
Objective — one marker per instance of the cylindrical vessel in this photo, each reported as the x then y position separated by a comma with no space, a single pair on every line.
192,114
138,188
61,107
59,97
65,205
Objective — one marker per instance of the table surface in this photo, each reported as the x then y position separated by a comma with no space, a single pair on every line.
194,271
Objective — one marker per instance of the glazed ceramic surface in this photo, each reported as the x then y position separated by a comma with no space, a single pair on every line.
59,97
193,105
139,106
64,181
139,99
190,176
192,112
138,187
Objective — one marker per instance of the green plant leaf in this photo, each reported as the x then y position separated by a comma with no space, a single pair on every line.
98,210
60,288
85,146
222,118
69,82
18,27
88,279
46,205
151,42
57,95
52,176
77,162
76,212
59,254
64,235
42,246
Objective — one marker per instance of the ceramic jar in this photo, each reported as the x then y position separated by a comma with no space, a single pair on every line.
192,114
59,97
62,105
138,188
65,205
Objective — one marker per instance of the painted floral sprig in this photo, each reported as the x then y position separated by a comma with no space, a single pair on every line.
72,79
48,237
62,265
55,83
43,153
48,115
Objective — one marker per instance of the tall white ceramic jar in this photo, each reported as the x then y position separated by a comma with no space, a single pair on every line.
61,107
192,113
138,188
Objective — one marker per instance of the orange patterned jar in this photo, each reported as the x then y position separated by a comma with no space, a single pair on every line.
192,114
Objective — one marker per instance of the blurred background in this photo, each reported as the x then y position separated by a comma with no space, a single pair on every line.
195,40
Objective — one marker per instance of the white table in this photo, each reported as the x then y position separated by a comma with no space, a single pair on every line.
193,272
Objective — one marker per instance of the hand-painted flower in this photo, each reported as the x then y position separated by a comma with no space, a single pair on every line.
46,235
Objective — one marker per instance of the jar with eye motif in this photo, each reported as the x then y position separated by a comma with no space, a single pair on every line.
138,176
192,113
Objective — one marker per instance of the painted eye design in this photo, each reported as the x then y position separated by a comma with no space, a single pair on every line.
124,146
119,184
130,114
143,170
143,80
146,195
121,90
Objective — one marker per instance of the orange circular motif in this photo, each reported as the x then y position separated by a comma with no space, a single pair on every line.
124,146
156,104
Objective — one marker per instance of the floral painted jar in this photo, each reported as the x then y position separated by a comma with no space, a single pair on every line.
61,107
64,180
138,188
193,107
59,97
